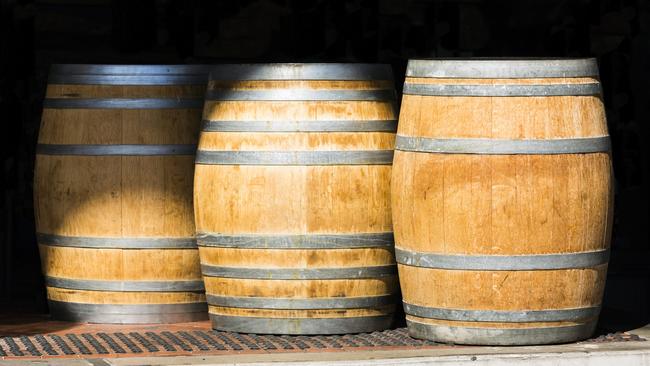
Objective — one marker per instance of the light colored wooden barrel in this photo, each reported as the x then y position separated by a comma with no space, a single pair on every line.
291,198
113,193
502,200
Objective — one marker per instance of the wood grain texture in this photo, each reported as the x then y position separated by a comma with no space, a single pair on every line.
114,196
123,297
501,204
286,200
124,91
501,117
120,264
118,196
464,204
302,289
296,258
503,290
298,141
292,314
290,110
292,199
493,325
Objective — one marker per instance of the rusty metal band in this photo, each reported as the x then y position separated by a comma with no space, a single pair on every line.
115,150
299,273
502,262
298,304
363,157
503,146
144,286
301,126
503,90
476,68
115,242
309,241
521,316
122,103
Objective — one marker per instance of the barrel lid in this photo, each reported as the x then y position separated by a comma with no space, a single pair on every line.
488,68
302,71
128,74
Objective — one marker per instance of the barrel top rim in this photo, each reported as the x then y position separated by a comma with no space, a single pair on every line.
502,67
302,64
505,58
301,71
130,69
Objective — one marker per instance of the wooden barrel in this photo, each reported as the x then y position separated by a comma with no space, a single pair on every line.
502,200
113,193
292,198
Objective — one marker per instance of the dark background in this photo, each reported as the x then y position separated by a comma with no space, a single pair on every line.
35,34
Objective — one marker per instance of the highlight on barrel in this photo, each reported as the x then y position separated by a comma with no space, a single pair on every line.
113,193
292,198
502,200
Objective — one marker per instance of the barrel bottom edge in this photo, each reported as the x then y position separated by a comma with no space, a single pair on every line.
501,336
128,313
301,326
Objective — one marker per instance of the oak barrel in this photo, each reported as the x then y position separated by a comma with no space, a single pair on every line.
292,198
502,200
113,193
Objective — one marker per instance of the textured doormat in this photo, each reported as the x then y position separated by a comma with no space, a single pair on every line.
41,338
194,342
